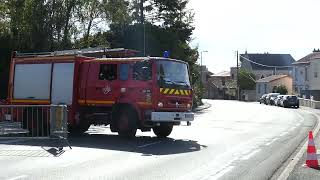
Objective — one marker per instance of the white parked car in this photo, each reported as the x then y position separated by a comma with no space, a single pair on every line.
277,101
270,98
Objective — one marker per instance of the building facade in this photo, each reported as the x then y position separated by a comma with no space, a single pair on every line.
223,85
266,85
307,76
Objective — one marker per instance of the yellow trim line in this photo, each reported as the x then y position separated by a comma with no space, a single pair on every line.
30,101
95,102
144,103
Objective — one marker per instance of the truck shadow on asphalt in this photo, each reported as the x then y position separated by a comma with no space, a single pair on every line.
145,145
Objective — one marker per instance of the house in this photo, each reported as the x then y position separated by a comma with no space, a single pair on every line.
264,65
222,86
205,74
266,85
306,75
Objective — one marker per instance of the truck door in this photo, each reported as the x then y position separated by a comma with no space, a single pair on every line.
62,83
102,84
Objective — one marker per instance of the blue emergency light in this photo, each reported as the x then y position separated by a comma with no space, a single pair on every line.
166,54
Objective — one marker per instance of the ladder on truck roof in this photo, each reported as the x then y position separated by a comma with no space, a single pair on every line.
99,52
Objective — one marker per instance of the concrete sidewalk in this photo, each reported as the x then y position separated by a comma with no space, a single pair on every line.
300,171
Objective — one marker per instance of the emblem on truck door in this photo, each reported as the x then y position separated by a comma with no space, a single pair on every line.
106,90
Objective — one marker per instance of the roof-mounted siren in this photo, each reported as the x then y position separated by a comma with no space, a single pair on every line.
166,54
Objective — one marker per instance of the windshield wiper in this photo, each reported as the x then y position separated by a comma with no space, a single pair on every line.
169,81
182,82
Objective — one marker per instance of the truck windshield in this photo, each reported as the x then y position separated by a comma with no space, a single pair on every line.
172,74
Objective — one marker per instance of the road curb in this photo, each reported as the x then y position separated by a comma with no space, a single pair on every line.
298,153
201,108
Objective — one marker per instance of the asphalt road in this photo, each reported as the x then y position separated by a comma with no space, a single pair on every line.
230,140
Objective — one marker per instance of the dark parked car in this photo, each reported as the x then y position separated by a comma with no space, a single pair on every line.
290,101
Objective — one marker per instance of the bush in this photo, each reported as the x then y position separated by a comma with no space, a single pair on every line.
282,89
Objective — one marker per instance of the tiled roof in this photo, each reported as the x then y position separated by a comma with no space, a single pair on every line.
308,58
271,78
269,60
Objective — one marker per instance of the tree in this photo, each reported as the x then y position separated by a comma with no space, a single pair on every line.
87,14
246,80
150,26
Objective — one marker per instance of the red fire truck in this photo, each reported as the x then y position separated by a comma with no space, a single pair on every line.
126,93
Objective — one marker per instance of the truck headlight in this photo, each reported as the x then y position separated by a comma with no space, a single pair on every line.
160,104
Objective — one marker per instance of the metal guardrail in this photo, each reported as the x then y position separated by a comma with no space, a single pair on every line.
34,121
309,103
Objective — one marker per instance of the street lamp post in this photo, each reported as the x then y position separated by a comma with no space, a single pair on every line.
201,65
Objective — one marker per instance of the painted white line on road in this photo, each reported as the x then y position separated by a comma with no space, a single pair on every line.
287,170
284,133
146,145
248,156
221,173
18,177
273,140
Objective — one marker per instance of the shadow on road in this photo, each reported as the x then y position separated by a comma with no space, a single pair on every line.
145,145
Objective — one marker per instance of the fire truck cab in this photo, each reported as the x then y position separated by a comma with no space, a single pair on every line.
126,93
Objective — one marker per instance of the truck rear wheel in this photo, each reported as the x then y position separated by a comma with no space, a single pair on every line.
163,130
78,129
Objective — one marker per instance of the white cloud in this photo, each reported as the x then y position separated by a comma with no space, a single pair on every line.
274,26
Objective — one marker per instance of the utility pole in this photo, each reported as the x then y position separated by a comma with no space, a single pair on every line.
201,66
238,86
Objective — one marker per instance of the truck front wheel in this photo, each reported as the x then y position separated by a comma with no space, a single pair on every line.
79,129
127,119
163,130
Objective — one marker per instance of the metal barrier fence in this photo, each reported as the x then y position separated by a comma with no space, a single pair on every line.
309,103
34,121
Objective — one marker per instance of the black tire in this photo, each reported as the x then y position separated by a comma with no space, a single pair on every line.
126,121
79,129
162,131
128,133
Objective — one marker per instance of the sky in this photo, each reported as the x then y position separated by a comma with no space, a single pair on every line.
256,26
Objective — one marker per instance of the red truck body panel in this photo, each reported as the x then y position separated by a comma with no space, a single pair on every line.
91,92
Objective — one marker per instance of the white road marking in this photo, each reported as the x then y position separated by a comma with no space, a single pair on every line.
221,173
145,145
273,140
284,133
18,177
287,170
248,156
